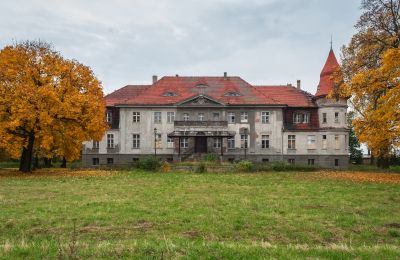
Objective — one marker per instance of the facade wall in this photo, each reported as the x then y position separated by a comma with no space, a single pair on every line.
325,153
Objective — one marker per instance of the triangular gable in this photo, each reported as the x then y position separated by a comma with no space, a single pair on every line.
200,100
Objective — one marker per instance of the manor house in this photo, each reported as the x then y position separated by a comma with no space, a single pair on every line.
180,118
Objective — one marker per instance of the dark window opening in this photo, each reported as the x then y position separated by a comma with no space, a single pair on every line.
95,161
291,161
311,161
336,162
110,160
265,160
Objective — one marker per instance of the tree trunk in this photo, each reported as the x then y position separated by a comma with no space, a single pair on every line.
26,156
47,162
64,163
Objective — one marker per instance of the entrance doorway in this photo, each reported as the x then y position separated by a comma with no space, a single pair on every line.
201,144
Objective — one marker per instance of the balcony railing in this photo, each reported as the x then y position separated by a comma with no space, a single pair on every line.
201,123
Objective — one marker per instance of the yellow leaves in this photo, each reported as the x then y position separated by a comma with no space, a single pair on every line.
60,100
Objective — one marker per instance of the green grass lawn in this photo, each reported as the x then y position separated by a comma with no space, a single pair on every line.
211,216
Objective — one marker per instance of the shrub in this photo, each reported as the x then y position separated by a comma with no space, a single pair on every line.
201,168
165,166
210,157
262,167
244,166
280,167
149,164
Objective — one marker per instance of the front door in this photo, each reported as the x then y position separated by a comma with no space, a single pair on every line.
201,144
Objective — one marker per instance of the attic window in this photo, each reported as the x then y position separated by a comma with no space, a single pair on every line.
232,94
169,94
201,86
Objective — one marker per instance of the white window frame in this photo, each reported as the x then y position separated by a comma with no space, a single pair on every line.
291,142
311,142
337,118
265,117
337,142
170,117
244,117
231,142
95,145
200,116
158,140
244,141
157,117
184,142
217,143
324,142
264,141
110,141
216,116
186,117
135,117
135,141
324,118
301,118
109,117
231,118
170,142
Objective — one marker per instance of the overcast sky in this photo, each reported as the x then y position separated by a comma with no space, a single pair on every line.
126,42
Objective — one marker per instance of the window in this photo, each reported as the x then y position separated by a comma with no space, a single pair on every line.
291,142
109,117
169,94
265,117
324,118
231,142
291,161
299,118
95,145
244,116
217,143
201,116
231,117
184,142
170,117
324,142
110,141
135,160
136,117
157,117
185,116
336,162
345,142
110,160
136,141
311,142
311,161
170,142
337,143
95,161
216,116
336,117
232,94
158,140
265,141
244,141
265,160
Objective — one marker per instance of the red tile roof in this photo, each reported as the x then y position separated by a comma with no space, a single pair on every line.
188,87
214,87
124,93
288,95
326,83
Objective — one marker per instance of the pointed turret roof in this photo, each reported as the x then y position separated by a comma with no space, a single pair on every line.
326,82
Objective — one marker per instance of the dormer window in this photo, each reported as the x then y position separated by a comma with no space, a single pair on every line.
169,94
232,94
301,118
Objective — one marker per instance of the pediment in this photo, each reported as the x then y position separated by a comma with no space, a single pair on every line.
199,101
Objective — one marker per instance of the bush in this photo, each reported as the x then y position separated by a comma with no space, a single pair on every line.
244,166
165,166
262,167
281,167
210,157
149,164
201,168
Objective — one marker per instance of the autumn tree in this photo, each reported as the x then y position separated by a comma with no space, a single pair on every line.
368,75
48,104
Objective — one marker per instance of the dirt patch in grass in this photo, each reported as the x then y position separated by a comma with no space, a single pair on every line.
12,173
191,234
392,225
391,178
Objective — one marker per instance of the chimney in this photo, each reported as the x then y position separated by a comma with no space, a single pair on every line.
154,79
225,75
298,84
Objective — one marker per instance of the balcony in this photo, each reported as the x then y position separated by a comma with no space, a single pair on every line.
204,124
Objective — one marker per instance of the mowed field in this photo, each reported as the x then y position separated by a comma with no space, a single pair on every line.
143,215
